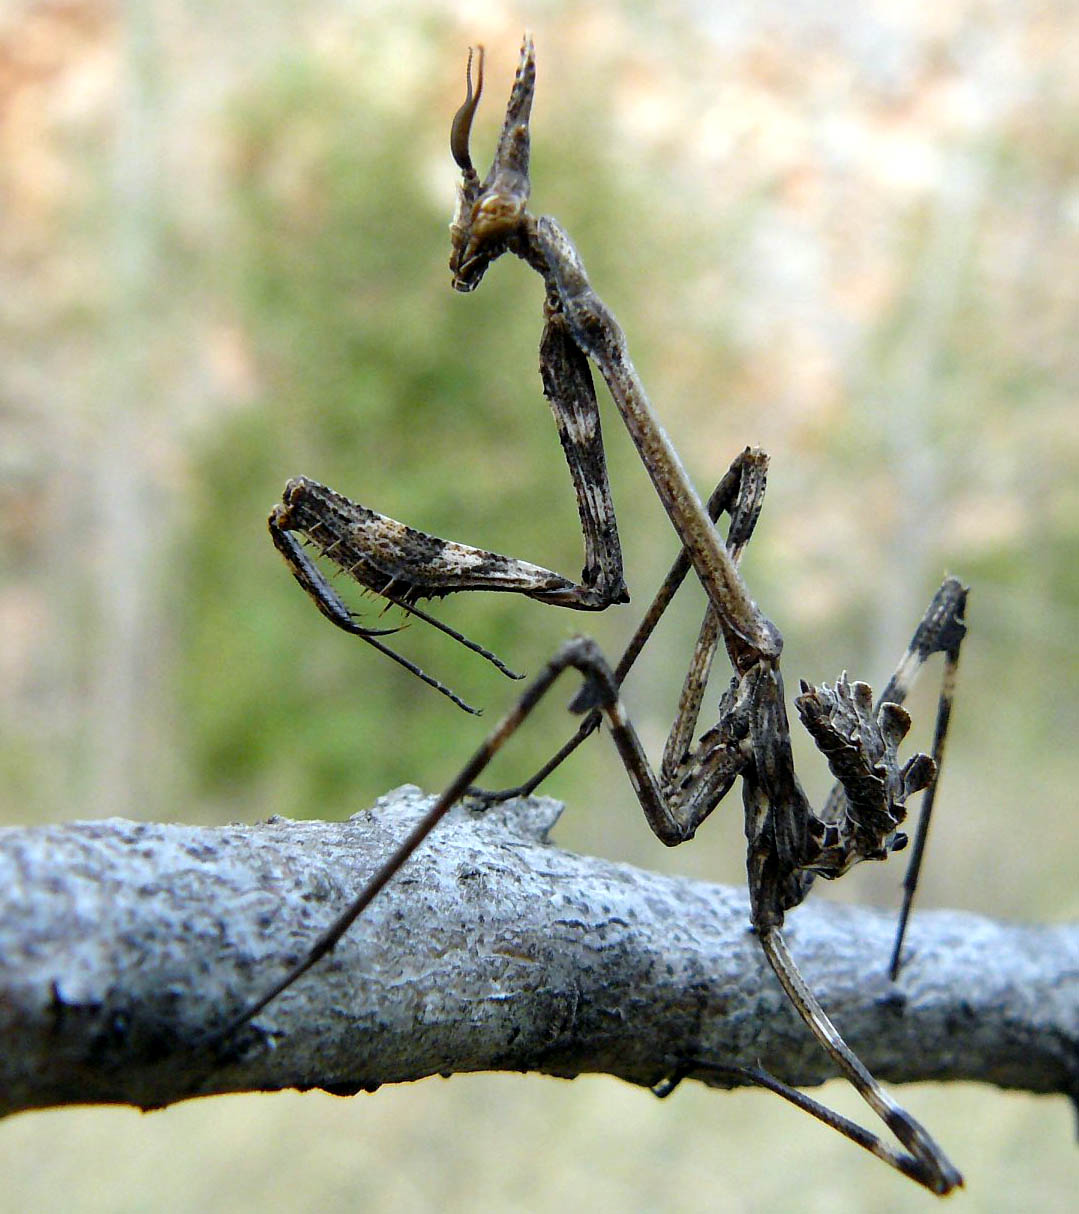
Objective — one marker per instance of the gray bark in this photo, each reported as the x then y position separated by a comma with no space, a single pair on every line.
123,945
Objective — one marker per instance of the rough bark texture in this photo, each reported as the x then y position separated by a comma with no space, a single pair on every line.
124,944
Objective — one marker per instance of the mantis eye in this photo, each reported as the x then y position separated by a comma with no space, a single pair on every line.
461,127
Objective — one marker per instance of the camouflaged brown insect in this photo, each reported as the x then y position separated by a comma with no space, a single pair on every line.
789,843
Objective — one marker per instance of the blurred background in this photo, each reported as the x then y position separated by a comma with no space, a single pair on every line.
845,232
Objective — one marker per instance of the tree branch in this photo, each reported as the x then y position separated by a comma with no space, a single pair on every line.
125,944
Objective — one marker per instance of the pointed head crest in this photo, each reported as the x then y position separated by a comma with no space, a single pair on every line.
490,213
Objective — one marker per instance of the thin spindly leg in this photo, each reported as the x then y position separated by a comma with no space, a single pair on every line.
728,1076
747,633
744,512
674,817
740,495
787,843
914,864
926,1162
668,824
941,630
580,653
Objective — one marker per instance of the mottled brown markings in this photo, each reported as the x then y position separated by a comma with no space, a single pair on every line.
788,843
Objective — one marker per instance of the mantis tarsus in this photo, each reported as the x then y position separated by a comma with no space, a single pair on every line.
789,844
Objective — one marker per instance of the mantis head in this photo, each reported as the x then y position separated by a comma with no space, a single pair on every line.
490,213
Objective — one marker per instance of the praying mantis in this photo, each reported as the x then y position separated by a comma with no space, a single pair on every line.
789,844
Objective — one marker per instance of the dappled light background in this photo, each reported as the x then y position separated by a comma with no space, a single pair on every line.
847,233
